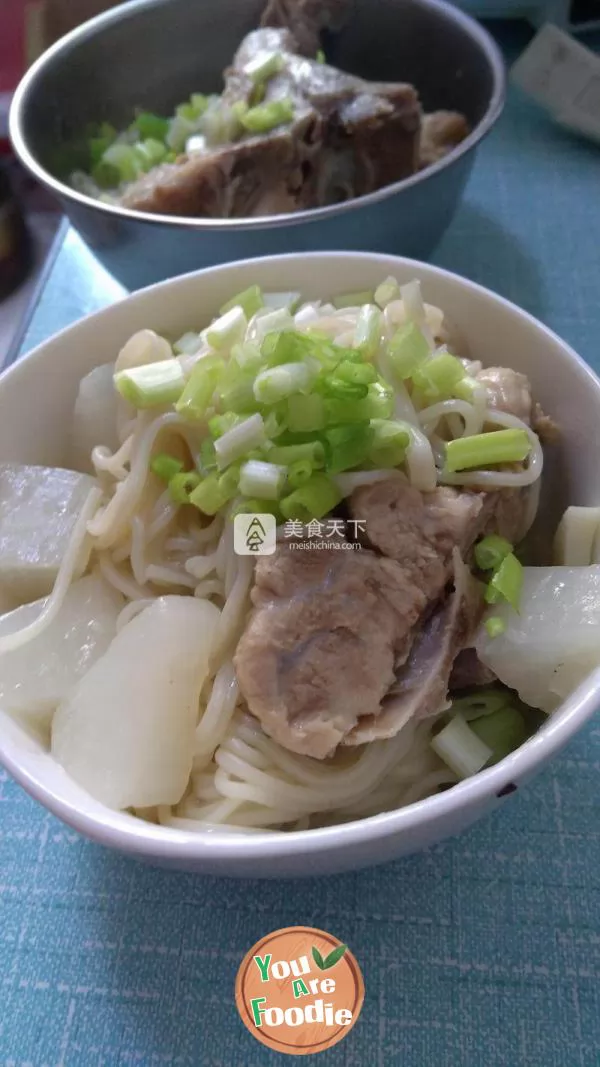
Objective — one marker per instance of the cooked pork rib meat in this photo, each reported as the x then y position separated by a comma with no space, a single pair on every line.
343,646
348,137
319,650
441,131
421,685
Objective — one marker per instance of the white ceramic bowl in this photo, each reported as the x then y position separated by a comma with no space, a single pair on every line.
36,400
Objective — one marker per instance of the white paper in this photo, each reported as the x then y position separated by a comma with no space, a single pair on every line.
563,76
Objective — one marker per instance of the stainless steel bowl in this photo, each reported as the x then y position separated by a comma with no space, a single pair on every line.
154,53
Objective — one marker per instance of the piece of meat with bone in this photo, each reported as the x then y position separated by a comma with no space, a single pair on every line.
347,138
420,530
319,650
510,391
421,686
441,131
306,20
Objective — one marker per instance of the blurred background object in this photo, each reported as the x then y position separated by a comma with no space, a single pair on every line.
15,243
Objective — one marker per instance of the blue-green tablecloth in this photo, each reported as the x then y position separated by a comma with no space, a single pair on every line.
482,952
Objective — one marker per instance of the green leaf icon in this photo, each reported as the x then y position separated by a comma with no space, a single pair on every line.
334,957
317,957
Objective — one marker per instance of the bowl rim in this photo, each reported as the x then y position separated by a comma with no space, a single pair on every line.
174,845
470,27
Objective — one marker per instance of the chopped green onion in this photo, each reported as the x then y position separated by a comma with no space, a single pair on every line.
386,292
210,496
343,390
495,626
100,140
277,321
194,108
378,404
239,440
279,382
200,388
484,700
320,56
299,473
149,153
465,389
181,485
250,300
165,466
199,102
305,414
502,732
257,507
227,329
288,300
152,384
313,500
152,126
229,481
311,451
286,347
276,422
180,129
407,350
220,424
351,300
380,401
347,447
106,175
195,143
437,378
188,344
368,329
262,480
207,457
266,117
239,396
264,66
356,373
390,442
247,356
506,583
486,449
124,158
460,748
490,552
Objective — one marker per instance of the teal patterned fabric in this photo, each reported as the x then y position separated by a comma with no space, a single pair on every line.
481,952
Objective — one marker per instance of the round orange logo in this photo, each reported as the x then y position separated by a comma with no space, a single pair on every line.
299,990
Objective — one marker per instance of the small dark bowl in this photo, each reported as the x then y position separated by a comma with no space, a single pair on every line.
154,53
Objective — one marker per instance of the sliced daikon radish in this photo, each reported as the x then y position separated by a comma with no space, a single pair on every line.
126,732
36,677
39,507
554,642
94,416
575,537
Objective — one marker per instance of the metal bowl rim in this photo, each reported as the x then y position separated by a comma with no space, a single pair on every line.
88,30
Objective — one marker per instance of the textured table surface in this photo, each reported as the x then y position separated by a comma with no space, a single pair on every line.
482,952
